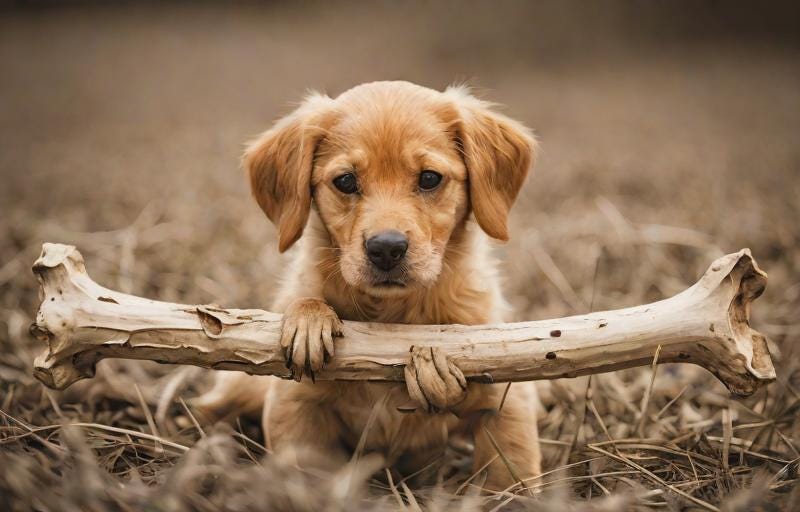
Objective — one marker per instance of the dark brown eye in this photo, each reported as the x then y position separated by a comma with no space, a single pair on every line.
346,183
429,180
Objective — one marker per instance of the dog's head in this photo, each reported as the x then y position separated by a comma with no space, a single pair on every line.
393,169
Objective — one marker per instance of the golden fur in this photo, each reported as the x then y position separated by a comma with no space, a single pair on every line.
386,133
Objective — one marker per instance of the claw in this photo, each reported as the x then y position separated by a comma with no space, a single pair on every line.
309,326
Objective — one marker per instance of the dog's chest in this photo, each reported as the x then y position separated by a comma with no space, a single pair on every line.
401,310
461,306
373,408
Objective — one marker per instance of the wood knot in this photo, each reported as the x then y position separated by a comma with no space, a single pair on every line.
210,323
39,332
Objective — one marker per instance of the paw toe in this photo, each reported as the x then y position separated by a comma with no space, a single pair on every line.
433,380
309,326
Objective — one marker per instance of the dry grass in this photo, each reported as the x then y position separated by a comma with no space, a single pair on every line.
120,132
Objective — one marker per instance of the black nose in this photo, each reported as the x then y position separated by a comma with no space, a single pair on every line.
386,249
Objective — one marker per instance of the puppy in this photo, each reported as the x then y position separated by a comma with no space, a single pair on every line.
390,191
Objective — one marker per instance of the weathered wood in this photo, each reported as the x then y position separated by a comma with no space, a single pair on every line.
707,324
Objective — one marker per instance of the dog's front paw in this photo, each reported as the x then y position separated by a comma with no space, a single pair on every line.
434,381
307,332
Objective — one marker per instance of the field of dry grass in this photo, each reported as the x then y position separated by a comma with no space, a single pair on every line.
120,131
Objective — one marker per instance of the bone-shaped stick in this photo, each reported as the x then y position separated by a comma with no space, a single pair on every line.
707,324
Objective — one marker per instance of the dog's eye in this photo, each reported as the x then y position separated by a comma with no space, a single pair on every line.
429,180
346,183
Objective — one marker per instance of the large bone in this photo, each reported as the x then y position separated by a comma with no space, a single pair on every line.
707,324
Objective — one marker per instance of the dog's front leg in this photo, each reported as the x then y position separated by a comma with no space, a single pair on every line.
505,431
299,415
309,326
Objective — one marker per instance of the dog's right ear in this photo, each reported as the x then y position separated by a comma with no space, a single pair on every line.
280,161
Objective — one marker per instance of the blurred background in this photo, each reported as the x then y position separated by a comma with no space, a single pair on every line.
670,135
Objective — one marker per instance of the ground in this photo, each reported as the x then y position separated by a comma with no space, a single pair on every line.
669,137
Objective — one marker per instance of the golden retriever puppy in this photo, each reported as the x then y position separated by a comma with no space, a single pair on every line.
390,191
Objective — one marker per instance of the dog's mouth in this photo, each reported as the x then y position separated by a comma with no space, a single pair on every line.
390,283
387,288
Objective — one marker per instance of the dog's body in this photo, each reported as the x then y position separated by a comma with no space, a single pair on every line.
394,171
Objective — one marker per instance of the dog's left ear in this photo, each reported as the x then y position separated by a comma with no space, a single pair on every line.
498,153
280,162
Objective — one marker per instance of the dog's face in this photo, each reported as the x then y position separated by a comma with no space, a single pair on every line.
393,169
391,187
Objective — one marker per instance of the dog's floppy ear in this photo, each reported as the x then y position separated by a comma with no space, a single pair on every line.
280,161
498,154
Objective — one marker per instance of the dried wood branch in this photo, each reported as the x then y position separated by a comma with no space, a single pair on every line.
707,324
